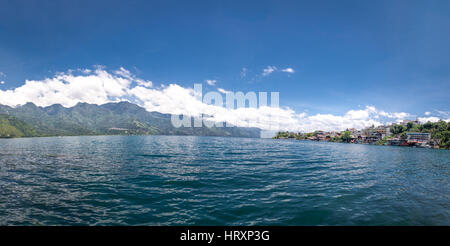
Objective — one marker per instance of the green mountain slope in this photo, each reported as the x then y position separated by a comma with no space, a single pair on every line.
112,119
11,127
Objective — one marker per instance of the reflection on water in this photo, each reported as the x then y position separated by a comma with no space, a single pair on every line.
173,180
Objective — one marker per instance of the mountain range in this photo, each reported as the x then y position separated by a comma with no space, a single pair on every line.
122,118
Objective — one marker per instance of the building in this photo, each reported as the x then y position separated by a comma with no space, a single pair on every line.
384,131
397,142
357,132
373,137
334,134
418,136
405,122
321,137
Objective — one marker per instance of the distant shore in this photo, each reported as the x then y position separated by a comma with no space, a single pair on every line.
407,133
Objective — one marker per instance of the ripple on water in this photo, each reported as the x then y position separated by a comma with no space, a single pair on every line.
170,180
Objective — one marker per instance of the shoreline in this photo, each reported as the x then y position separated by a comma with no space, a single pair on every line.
385,145
143,135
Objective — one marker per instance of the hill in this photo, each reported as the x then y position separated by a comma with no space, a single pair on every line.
11,127
121,118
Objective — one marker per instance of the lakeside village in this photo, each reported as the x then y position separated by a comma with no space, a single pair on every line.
407,133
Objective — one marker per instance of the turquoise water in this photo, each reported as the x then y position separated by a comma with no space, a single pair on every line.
173,180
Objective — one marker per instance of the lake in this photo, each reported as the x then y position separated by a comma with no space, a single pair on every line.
185,180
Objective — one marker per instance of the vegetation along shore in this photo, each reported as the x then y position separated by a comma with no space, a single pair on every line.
407,133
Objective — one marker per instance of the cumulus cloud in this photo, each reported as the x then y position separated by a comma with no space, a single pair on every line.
432,119
398,116
100,86
86,71
124,73
358,119
437,116
267,71
2,82
288,70
67,89
211,81
172,99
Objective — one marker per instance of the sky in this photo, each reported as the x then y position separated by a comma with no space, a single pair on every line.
336,64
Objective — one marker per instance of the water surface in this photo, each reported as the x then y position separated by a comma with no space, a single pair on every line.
174,180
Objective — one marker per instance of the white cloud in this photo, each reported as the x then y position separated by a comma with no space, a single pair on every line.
68,89
144,83
437,116
288,70
223,90
100,86
444,114
2,82
270,69
431,119
243,72
211,81
124,73
267,71
172,99
398,116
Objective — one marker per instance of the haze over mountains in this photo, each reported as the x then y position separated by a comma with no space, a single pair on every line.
121,118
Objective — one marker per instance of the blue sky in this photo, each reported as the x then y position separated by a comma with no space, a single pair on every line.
393,55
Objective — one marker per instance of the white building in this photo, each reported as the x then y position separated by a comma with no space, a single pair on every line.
418,136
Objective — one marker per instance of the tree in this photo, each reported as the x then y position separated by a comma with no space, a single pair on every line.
403,136
428,125
445,139
397,129
441,125
346,136
409,125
